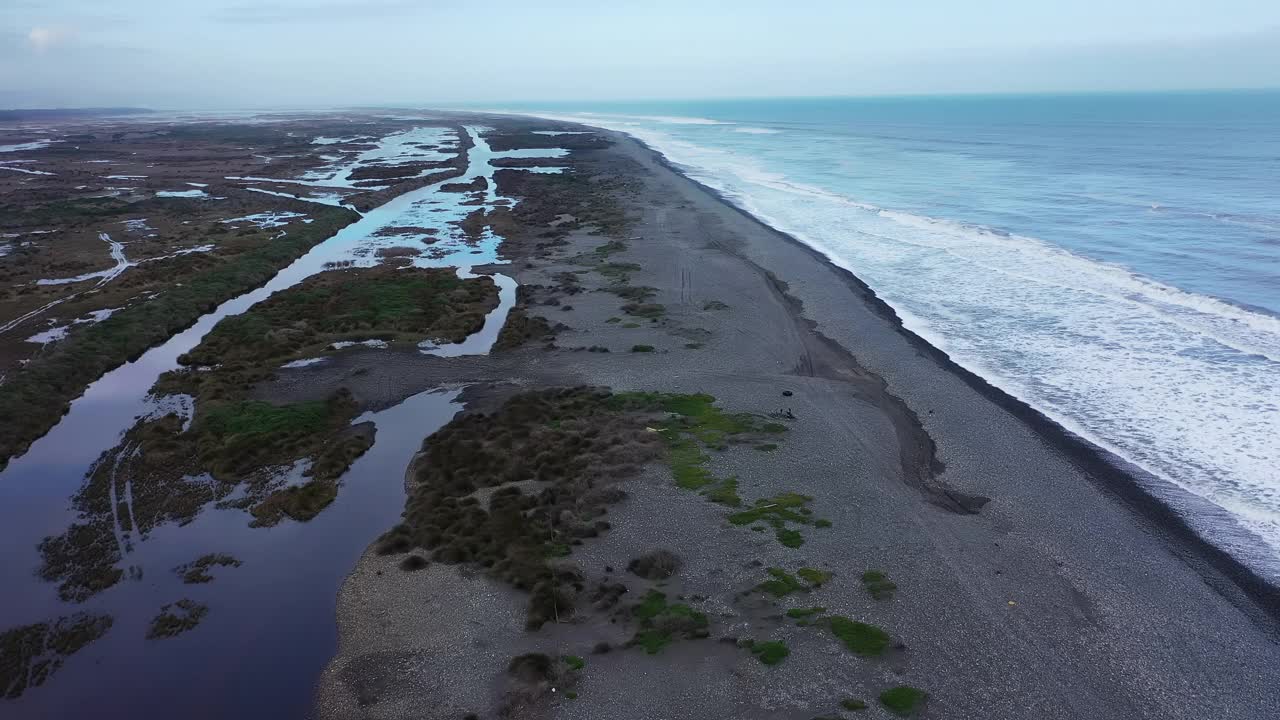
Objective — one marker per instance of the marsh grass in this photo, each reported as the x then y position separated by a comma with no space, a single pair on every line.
31,654
177,618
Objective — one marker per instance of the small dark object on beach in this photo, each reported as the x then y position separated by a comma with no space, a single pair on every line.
531,667
641,348
787,393
413,562
656,565
601,648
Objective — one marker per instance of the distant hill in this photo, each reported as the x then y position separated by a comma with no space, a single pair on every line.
66,113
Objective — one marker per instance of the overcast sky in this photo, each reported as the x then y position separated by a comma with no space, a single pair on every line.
289,53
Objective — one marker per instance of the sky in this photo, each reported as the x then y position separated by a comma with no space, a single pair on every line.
224,54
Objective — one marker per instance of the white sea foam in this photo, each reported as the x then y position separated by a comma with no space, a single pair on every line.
756,131
1181,384
182,194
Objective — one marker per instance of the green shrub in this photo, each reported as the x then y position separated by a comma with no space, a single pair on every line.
903,700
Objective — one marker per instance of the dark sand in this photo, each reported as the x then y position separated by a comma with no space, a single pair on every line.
1067,595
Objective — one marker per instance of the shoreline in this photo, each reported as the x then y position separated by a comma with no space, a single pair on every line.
1111,473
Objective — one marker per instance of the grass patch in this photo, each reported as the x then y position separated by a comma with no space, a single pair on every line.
861,638
724,493
805,613
789,538
635,294
853,704
661,623
780,508
878,584
641,348
645,309
610,248
903,700
574,662
767,447
781,583
617,272
814,576
771,652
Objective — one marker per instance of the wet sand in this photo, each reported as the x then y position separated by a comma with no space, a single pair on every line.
1035,579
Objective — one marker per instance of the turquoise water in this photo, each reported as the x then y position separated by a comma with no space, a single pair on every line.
1113,260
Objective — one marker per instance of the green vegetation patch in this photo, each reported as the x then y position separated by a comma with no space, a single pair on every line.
645,309
33,399
575,443
859,637
903,700
299,502
662,623
246,443
782,583
778,512
637,294
574,662
410,303
177,618
725,492
641,348
814,576
693,423
853,704
31,654
771,652
521,328
805,613
878,584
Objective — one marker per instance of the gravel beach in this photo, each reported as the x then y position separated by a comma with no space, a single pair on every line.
1034,578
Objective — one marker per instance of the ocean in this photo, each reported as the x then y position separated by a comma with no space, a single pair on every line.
1112,260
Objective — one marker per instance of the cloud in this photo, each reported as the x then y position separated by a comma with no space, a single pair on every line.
45,37
312,11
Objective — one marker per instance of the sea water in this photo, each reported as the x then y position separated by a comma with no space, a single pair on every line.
1112,260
